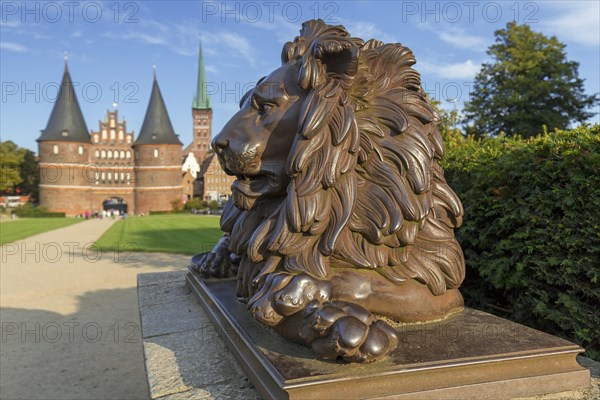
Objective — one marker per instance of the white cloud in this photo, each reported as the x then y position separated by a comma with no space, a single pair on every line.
145,38
367,30
10,24
462,70
238,44
11,46
457,37
576,21
182,39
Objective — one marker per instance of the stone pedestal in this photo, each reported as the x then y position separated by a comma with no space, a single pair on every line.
470,355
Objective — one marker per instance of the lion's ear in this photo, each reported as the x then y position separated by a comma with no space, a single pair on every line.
338,54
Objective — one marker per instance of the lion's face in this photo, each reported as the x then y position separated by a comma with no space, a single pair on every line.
255,142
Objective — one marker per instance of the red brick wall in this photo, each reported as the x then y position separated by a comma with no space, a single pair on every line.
147,200
64,183
202,120
70,201
157,179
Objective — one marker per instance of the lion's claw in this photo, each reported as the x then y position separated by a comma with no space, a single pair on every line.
219,263
261,305
283,294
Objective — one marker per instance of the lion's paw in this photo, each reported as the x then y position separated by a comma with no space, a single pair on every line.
301,309
284,294
261,305
219,263
350,331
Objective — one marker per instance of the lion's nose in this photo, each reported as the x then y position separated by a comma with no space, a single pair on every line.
219,144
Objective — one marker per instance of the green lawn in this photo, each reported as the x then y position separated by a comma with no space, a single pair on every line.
12,230
177,233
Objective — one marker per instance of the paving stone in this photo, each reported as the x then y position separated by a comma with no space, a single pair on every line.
188,360
151,295
160,277
224,392
177,316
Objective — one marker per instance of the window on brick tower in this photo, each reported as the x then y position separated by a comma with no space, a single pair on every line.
55,149
128,153
104,134
155,153
112,134
95,138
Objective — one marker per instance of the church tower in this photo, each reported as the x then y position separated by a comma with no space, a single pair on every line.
202,116
157,159
63,149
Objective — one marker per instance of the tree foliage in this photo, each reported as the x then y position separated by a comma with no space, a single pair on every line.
29,174
18,169
529,84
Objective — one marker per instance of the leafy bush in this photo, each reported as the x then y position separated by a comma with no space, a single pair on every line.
531,231
177,205
28,210
196,203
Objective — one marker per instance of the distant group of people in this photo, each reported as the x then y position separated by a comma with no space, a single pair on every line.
206,211
112,213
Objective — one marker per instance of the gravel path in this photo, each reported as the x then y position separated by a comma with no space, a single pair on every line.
70,319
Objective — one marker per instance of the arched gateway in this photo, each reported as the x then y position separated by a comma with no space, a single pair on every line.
115,203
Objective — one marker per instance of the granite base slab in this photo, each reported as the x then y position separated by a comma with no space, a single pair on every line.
470,355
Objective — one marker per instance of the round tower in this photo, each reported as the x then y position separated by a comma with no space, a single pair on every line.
158,154
63,150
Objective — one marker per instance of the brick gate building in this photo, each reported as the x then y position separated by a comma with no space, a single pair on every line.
82,171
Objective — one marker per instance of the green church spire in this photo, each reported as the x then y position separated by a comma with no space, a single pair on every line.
201,101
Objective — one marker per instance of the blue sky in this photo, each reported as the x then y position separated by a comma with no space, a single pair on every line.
113,45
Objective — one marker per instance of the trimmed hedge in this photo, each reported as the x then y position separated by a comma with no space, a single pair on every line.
48,215
168,212
28,210
531,231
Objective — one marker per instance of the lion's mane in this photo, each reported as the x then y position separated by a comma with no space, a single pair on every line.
367,189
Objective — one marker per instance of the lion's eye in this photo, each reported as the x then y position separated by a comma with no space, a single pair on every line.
264,108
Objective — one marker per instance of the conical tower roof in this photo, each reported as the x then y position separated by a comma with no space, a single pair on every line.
157,128
201,101
66,121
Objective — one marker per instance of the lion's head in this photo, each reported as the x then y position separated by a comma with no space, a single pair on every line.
337,158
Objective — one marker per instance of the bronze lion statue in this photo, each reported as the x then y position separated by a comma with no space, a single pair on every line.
341,220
